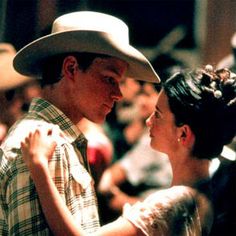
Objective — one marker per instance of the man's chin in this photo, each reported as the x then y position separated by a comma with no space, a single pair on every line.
99,120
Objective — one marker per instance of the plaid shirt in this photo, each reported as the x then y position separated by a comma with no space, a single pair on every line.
20,211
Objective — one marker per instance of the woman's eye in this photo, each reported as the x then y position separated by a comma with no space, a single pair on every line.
157,115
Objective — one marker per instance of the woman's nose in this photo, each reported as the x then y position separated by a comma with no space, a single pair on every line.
148,120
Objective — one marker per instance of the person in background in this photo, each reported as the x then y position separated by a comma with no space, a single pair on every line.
10,78
119,121
11,86
194,118
99,148
80,64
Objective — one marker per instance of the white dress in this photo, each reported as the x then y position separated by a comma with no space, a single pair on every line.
176,211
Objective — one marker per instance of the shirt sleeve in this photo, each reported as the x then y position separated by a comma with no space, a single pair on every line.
23,212
21,205
167,212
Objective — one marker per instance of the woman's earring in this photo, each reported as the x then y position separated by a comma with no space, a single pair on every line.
178,139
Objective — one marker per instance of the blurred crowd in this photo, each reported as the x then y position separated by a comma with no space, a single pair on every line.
16,91
123,165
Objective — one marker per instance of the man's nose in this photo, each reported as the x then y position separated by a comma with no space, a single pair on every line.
117,95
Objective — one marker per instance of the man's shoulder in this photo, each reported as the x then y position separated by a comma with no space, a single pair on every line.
21,129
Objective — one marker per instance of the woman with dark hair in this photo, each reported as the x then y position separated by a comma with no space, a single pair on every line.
194,118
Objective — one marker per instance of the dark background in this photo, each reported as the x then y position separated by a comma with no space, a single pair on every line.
207,28
148,20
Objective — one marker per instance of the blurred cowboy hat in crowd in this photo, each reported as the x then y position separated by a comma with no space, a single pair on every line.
85,31
9,78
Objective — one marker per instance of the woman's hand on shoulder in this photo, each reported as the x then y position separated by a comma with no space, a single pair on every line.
38,148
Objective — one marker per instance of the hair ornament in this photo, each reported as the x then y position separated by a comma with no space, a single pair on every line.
223,74
217,94
213,85
217,77
208,74
209,68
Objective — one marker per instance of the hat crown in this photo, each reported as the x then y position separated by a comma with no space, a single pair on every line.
92,21
86,31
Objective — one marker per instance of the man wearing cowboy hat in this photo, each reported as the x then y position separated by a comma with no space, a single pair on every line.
80,65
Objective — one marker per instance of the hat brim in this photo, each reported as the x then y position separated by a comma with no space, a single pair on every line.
28,61
9,78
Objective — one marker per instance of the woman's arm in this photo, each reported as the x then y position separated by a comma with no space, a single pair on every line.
57,214
37,149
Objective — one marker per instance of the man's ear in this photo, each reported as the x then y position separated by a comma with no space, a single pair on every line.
69,67
186,136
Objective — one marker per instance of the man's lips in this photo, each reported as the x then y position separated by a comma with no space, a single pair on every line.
150,134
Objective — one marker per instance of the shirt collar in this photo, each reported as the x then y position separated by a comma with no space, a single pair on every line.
43,109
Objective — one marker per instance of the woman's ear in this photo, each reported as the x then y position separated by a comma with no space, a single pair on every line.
186,136
69,67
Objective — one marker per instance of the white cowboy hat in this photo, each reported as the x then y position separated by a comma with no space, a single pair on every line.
9,78
85,31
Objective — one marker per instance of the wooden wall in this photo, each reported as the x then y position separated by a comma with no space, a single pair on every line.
220,26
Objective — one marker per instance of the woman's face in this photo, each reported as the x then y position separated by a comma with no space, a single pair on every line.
163,131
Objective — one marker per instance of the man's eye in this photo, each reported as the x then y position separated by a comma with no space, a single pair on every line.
110,80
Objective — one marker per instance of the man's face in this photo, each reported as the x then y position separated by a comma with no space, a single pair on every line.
97,89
